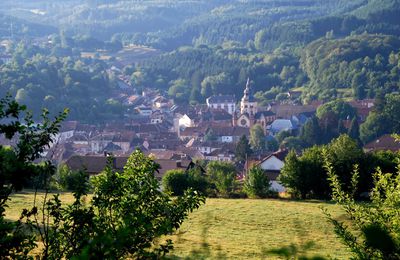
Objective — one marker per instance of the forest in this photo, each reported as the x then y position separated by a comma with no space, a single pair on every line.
326,50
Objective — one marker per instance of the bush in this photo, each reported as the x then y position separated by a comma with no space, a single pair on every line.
257,183
70,180
175,181
374,232
222,177
178,181
124,220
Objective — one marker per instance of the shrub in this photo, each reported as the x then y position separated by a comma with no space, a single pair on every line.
257,184
375,232
125,219
175,181
222,177
69,180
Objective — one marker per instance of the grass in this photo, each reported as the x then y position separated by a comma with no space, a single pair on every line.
251,229
244,229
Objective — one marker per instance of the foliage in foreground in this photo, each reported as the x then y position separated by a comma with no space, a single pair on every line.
17,169
306,177
126,215
375,229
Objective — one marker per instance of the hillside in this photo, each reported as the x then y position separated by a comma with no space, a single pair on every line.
170,24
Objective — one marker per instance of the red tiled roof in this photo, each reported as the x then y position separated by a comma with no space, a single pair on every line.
383,143
96,164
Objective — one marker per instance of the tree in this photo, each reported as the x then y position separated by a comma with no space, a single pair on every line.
243,149
344,152
392,111
290,175
282,135
223,176
127,214
304,176
257,184
341,129
175,181
374,126
375,232
311,132
293,142
257,138
17,168
358,85
272,145
354,129
341,109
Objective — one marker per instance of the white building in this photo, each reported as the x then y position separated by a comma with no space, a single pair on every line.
185,121
272,166
225,102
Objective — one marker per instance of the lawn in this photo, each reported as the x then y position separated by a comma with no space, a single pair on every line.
244,228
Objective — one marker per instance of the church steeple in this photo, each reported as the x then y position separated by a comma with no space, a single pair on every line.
248,104
246,92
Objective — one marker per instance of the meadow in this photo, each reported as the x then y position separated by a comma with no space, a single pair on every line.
245,229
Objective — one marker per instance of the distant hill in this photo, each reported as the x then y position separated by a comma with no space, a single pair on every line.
170,24
364,63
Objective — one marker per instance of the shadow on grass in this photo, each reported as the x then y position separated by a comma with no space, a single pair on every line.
294,251
204,250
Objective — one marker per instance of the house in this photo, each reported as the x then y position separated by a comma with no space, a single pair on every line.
220,116
96,164
363,107
302,118
282,125
123,140
185,121
225,102
161,102
272,166
229,134
264,118
383,143
67,130
221,155
286,111
192,132
157,117
99,142
144,130
202,147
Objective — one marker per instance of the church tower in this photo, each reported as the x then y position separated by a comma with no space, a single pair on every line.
248,105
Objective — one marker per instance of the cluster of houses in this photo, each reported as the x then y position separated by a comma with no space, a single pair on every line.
176,135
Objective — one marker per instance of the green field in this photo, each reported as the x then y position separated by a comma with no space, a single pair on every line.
245,229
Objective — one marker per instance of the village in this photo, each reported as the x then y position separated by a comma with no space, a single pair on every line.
178,136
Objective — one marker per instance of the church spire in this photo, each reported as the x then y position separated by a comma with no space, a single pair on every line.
248,103
246,91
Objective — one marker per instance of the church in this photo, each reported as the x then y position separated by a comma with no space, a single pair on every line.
249,113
